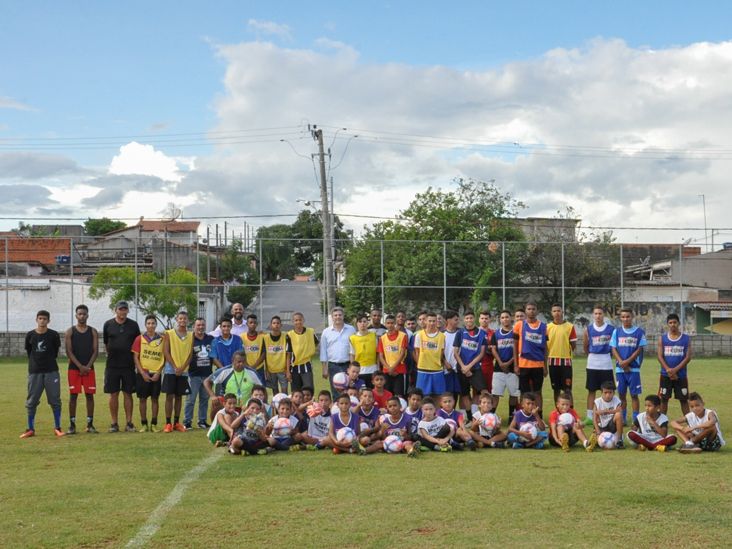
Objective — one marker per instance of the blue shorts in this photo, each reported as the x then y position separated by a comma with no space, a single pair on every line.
452,382
629,381
431,383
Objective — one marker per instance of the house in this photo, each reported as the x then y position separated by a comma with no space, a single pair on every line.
32,256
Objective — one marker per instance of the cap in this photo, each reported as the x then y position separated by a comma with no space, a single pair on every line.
121,305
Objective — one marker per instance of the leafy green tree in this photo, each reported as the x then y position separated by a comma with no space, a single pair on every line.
236,267
102,225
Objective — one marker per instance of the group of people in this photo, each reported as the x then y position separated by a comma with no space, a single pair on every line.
396,385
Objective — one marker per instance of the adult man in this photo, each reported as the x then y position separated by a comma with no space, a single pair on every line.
234,379
178,350
335,346
301,344
376,326
253,343
119,333
238,326
82,348
200,368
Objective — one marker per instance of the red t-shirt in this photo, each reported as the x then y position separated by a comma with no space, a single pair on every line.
381,399
554,416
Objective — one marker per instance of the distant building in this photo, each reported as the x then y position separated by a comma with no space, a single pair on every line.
548,229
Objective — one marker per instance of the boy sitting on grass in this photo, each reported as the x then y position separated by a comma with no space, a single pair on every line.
567,435
316,436
483,436
344,418
221,431
699,429
394,423
434,431
282,427
607,414
528,414
249,437
650,428
448,412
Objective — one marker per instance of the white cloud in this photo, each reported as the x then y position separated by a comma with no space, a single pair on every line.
269,28
138,159
10,103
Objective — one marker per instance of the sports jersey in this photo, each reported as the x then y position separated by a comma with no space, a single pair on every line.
430,348
559,338
456,416
318,425
223,349
625,342
391,347
470,343
432,427
239,384
180,348
487,360
554,416
249,429
600,404
363,349
275,350
404,423
531,343
82,344
644,428
521,417
372,417
352,422
381,400
224,382
694,421
598,349
150,352
674,351
252,348
449,349
414,419
302,346
503,342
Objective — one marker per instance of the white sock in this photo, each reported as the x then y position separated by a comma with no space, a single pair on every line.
589,414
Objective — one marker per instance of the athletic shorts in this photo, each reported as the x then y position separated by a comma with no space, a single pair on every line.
503,381
710,444
629,381
475,381
77,382
452,383
561,377
595,379
531,379
431,383
117,379
487,369
609,428
175,385
679,387
145,389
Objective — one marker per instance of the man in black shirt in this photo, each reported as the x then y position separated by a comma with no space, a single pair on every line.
82,348
42,345
119,334
199,369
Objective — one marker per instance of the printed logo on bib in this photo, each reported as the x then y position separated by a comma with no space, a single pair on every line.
393,348
470,344
673,350
600,340
627,341
533,337
505,343
431,345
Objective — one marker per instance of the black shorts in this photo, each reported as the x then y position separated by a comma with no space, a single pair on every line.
572,438
116,380
609,428
475,381
595,379
680,388
561,377
146,389
175,385
531,379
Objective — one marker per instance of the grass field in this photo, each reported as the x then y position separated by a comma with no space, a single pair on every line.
99,491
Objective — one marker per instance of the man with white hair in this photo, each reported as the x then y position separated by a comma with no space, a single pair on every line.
335,346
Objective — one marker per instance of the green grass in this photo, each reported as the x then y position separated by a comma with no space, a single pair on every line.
97,491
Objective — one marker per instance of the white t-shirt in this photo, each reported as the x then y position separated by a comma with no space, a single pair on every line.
694,422
600,404
645,427
318,426
449,349
432,427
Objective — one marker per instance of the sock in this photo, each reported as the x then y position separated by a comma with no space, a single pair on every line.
590,413
625,416
635,415
154,421
72,420
89,420
143,421
167,420
57,418
176,419
32,422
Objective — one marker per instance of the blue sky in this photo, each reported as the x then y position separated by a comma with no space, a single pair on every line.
88,69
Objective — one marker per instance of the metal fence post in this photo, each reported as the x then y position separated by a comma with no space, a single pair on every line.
681,286
198,280
7,294
444,275
381,242
137,291
622,279
71,272
503,272
261,281
563,275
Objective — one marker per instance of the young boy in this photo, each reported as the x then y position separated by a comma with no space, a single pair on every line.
483,436
448,412
487,367
225,345
392,351
344,418
414,410
699,429
275,356
529,413
650,428
260,393
627,345
249,429
434,432
381,395
178,350
429,345
452,382
568,435
505,368
561,343
42,346
221,432
395,423
674,354
279,436
368,416
353,373
147,351
316,437
363,349
82,347
469,348
253,346
596,341
530,340
607,414
301,344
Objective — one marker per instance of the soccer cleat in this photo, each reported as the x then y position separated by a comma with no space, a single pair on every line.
361,450
642,448
168,428
481,445
144,429
471,445
565,442
114,428
130,428
91,429
28,433
154,428
592,443
416,448
59,432
72,429
587,422
423,449
690,449
355,445
311,447
264,451
660,448
336,451
499,444
187,426
295,448
517,446
203,425
179,427
620,445
446,448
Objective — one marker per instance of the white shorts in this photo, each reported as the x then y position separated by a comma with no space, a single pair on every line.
502,381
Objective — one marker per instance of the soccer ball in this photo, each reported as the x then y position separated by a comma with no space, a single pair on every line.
566,419
530,430
345,435
452,423
393,444
334,411
402,404
281,427
354,401
315,409
490,422
340,381
364,426
256,422
276,399
606,440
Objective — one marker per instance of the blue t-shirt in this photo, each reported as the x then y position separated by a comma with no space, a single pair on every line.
470,345
626,342
223,350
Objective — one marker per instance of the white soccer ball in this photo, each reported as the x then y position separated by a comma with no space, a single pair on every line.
340,381
256,422
276,399
452,423
393,444
530,430
354,401
364,426
402,404
490,421
566,419
282,427
606,440
345,435
334,410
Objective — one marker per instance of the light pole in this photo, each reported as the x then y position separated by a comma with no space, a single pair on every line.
704,206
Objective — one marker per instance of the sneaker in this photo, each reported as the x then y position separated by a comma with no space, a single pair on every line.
690,449
59,432
517,446
178,427
144,429
660,448
91,429
203,425
154,428
499,444
114,428
355,445
130,428
565,442
168,428
416,448
423,448
187,426
587,422
447,448
592,443
336,451
471,445
361,450
620,445
72,429
311,447
28,433
295,448
265,451
459,446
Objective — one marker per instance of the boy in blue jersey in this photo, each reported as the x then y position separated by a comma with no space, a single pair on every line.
469,348
627,345
505,368
674,354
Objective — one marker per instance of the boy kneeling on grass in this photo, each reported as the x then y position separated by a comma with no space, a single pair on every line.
221,431
699,429
650,428
565,426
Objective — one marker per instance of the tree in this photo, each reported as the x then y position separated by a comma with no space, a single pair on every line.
236,267
153,295
102,225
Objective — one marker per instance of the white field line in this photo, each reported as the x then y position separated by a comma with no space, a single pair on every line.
148,530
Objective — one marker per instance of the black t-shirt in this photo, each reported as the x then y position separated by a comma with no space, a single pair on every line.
42,351
118,339
200,365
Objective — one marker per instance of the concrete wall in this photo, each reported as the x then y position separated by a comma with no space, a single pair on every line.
712,270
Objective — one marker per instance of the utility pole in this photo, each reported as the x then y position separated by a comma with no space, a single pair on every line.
328,277
208,253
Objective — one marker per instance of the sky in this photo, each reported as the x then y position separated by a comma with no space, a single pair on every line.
618,110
